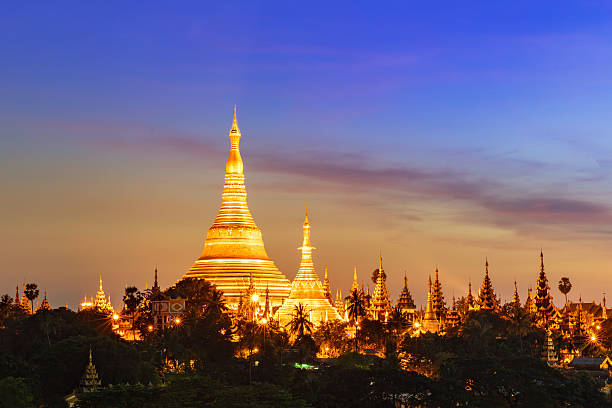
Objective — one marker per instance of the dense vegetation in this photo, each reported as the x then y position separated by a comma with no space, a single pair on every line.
488,362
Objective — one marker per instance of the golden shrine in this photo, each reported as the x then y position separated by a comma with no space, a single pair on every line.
234,248
307,289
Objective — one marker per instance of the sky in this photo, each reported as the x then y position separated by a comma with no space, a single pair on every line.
438,134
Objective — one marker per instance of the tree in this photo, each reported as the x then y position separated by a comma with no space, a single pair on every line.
300,323
132,300
31,292
356,305
565,286
15,393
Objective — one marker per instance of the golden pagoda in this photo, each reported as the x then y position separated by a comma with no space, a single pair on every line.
234,249
307,288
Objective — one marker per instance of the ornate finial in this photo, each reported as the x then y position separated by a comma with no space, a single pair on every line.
486,266
100,281
90,357
325,271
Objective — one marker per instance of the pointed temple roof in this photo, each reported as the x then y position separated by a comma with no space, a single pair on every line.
234,246
430,323
470,297
515,297
355,285
405,301
25,302
543,299
307,288
326,288
380,305
437,297
90,381
45,303
486,294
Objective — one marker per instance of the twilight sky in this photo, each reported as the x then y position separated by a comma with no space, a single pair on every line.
438,134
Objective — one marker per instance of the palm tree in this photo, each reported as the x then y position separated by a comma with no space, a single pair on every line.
356,305
133,300
31,292
215,302
300,323
565,286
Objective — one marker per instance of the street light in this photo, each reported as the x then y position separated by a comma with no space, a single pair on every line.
255,297
115,317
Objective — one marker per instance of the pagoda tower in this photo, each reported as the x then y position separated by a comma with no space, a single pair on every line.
405,301
430,323
101,303
234,247
326,288
452,316
380,306
437,298
515,297
45,304
530,303
543,299
470,298
486,294
355,285
90,381
339,304
25,302
16,300
307,288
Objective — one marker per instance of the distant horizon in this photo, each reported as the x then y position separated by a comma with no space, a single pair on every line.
437,136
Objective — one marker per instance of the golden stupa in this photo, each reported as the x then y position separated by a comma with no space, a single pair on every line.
307,289
234,250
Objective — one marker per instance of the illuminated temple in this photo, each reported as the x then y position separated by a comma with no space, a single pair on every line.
307,289
234,249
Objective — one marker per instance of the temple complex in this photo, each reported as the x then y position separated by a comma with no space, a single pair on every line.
234,249
307,289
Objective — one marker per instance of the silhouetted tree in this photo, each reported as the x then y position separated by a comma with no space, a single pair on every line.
565,286
299,323
132,301
31,292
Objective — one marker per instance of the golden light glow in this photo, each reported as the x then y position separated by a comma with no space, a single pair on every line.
255,350
417,325
593,338
150,328
177,320
115,316
264,321
255,297
598,327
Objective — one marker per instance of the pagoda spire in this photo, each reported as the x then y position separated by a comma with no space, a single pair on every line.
486,294
405,302
45,303
90,381
381,306
326,287
355,285
430,322
16,295
306,288
604,310
515,297
437,298
543,299
470,297
234,246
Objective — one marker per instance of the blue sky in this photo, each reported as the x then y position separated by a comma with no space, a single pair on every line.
439,133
